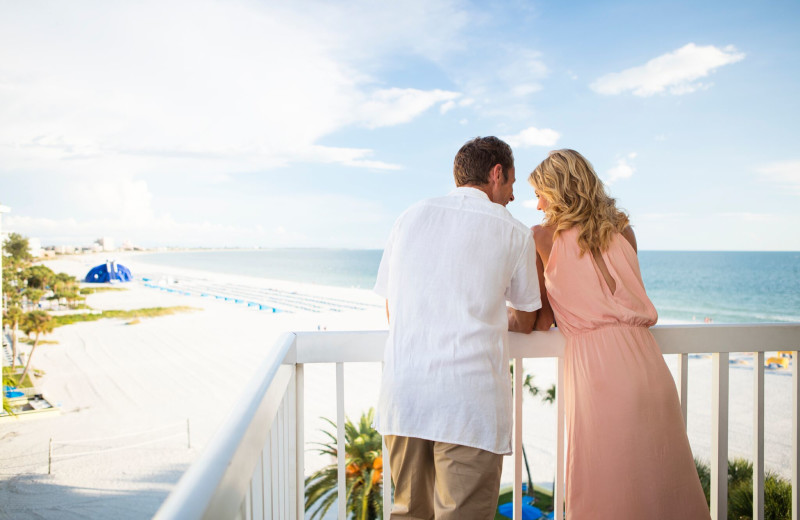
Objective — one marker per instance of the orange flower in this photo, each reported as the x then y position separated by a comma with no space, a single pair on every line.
378,463
376,476
352,469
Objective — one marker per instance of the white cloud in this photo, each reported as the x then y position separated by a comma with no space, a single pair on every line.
323,220
785,173
747,216
664,216
526,89
395,106
203,87
532,136
675,72
84,232
368,31
623,169
500,78
355,157
530,203
461,103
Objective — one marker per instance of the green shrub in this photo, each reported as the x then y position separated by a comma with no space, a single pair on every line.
777,491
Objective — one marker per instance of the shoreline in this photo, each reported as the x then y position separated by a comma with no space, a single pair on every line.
118,382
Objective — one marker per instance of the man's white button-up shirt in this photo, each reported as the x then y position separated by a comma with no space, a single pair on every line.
450,266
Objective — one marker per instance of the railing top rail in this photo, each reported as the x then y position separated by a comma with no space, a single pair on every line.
745,337
366,346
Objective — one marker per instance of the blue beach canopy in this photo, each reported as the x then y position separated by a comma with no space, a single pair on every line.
529,512
109,272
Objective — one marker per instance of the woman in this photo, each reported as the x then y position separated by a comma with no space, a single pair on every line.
628,456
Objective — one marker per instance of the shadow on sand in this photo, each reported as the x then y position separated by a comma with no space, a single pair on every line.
37,496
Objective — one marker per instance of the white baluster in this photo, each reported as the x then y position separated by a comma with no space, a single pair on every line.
342,489
719,436
517,515
758,436
558,485
683,385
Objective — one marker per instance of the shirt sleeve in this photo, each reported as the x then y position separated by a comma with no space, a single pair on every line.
382,282
523,291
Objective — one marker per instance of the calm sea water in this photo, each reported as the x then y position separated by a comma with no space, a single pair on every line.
728,287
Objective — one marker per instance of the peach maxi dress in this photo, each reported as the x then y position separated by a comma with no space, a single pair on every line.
628,456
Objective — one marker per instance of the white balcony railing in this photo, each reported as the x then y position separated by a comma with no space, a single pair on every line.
253,468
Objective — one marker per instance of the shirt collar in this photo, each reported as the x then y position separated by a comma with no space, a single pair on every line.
468,191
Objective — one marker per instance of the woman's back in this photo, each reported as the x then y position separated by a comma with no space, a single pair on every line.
581,296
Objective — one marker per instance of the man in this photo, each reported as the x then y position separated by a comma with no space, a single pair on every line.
448,269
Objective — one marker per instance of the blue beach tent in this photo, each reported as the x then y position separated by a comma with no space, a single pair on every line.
109,272
529,511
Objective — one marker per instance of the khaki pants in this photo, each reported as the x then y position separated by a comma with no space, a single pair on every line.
442,481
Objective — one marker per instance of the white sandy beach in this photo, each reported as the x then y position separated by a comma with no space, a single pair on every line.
127,390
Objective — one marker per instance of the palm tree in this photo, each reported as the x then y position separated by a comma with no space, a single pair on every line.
363,472
66,286
18,250
33,296
35,322
13,316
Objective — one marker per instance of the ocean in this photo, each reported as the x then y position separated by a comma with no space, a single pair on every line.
723,286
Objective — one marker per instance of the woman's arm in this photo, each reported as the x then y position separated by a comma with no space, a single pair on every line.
630,237
543,237
545,318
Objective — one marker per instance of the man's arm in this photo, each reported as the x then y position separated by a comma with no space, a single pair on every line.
521,321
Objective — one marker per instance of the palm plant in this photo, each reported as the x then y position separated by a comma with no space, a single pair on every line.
13,316
363,471
66,287
38,323
17,249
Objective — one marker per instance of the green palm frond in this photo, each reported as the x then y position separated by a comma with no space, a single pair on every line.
363,448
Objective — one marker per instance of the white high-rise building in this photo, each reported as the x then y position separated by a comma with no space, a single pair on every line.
106,243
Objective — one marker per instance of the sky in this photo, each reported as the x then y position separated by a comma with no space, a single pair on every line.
250,123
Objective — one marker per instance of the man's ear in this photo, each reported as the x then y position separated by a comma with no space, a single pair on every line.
496,174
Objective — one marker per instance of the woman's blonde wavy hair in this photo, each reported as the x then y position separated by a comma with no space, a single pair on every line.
577,198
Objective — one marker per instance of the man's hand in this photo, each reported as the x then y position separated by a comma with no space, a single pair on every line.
521,321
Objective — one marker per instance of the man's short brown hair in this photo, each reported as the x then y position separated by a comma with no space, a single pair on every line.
478,156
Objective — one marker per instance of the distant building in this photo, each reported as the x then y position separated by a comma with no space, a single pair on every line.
35,247
65,250
105,243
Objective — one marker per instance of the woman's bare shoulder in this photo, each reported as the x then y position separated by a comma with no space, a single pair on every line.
630,237
543,232
543,236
